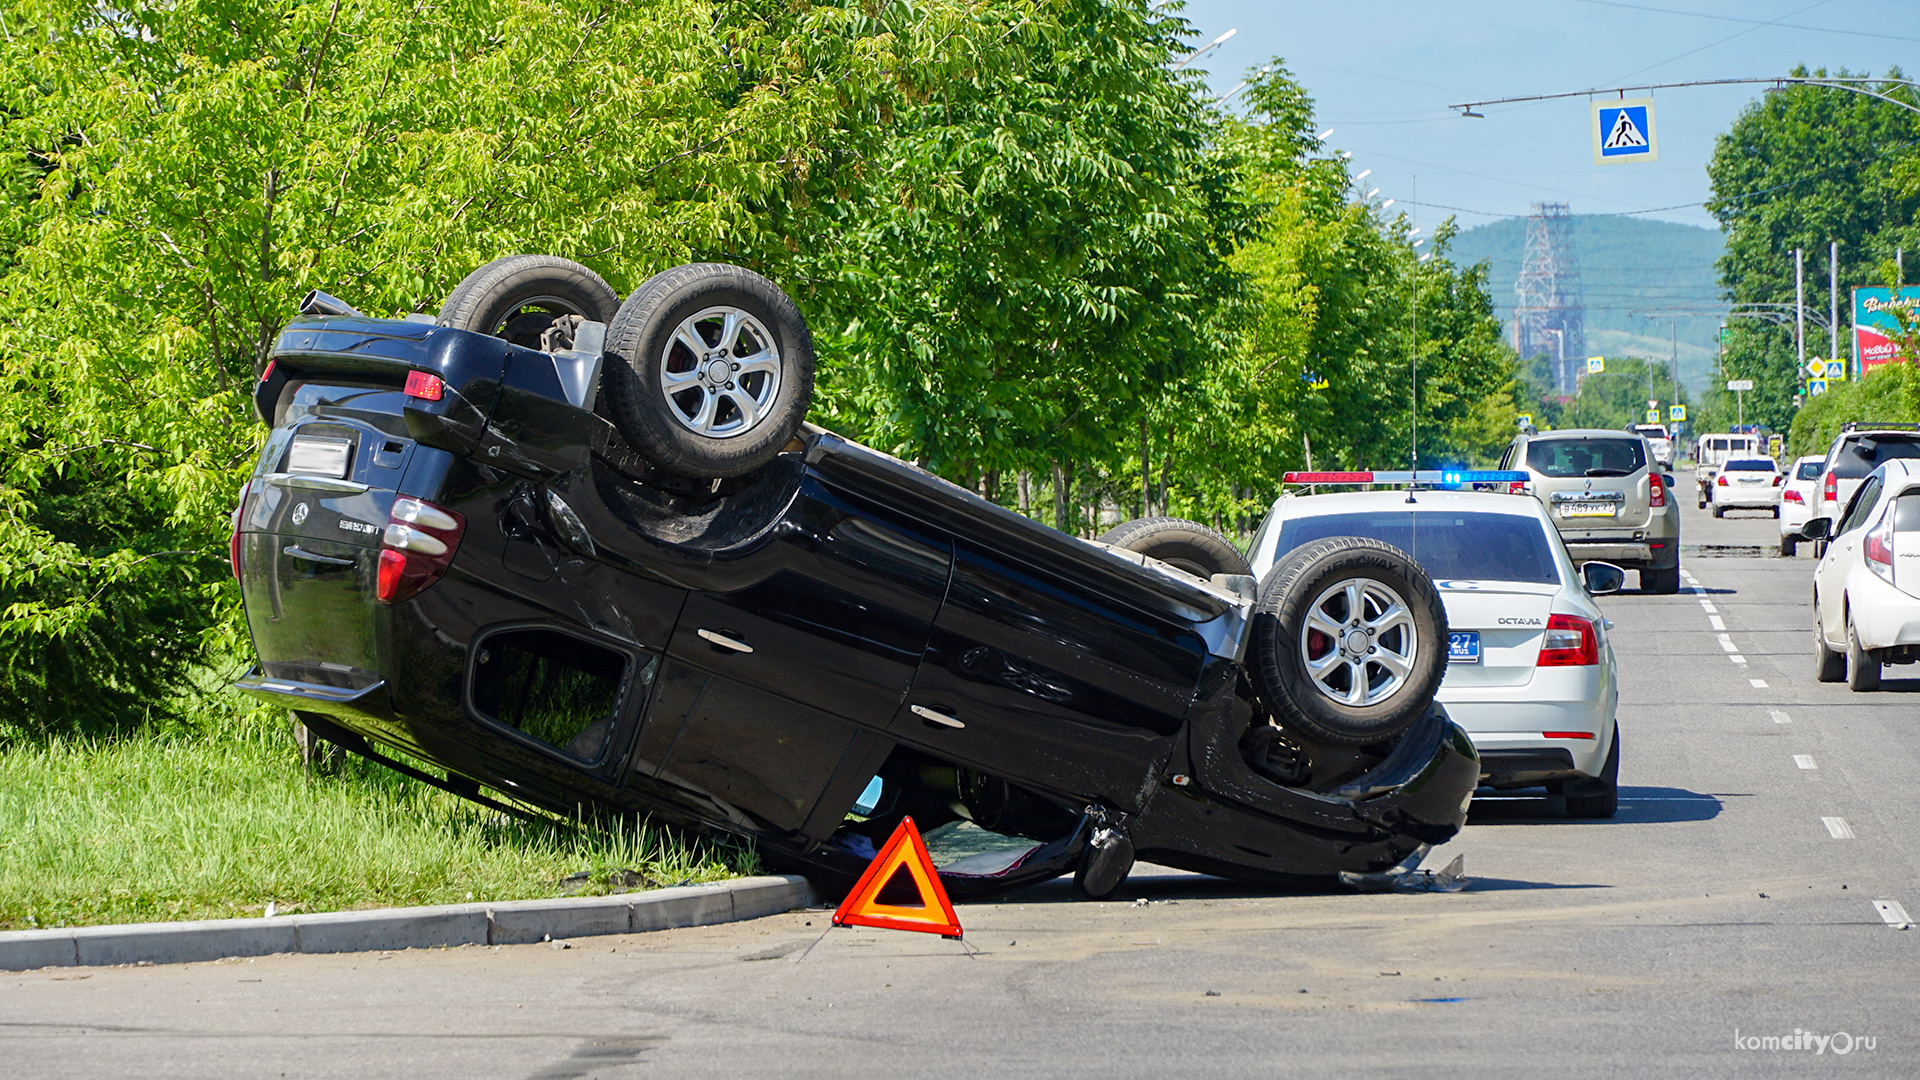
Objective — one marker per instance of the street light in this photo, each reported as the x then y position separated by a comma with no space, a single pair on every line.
1208,47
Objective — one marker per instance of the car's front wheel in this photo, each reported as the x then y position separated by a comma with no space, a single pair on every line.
1349,641
1185,545
710,370
1863,667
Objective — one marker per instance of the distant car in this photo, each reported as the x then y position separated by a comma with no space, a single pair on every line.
1796,500
1866,589
1710,451
1530,672
1607,497
1658,438
1851,456
1747,483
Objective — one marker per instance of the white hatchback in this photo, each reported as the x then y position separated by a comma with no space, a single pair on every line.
1866,589
1796,500
1530,671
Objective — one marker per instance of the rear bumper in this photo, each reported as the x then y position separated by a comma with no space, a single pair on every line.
1884,617
1736,499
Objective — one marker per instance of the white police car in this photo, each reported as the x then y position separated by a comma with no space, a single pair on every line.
1530,672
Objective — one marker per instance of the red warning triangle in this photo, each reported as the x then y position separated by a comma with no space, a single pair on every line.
862,906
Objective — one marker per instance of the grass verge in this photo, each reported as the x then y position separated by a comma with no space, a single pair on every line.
216,817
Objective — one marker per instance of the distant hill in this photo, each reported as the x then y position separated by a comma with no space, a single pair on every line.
1626,265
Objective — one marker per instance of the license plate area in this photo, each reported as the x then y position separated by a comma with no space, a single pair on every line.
1589,509
313,455
1463,647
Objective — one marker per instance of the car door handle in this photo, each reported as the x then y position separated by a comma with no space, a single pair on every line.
726,642
934,716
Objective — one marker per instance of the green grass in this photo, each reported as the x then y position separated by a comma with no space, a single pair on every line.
215,817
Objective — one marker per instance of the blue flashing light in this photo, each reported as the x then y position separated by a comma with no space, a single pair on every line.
1492,476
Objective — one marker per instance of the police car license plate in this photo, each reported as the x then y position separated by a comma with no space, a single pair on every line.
1588,509
1463,647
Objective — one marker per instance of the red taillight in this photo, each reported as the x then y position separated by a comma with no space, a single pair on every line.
1778,479
233,542
1878,548
1792,495
1566,734
1721,480
424,386
1656,492
268,373
1829,488
1570,642
416,548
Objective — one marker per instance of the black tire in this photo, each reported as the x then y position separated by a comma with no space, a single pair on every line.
1104,865
708,428
1302,583
1188,545
1660,581
1600,797
1788,546
521,297
1776,513
1719,511
1863,668
1828,666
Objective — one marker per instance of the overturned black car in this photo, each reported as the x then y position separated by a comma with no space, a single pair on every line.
586,554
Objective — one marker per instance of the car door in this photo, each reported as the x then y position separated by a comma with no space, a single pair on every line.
1843,554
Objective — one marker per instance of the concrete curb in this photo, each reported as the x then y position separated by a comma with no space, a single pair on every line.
512,922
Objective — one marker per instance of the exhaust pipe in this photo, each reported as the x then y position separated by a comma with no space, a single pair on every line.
319,303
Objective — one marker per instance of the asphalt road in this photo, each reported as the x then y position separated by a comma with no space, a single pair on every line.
1763,815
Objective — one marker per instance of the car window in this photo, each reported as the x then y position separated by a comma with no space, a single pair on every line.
1750,465
1906,513
1857,510
1809,470
1561,458
1858,456
1447,544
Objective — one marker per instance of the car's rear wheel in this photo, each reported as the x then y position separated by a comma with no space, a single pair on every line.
1788,546
1863,667
714,371
1662,581
1187,545
1349,641
536,301
1719,511
1828,666
1599,797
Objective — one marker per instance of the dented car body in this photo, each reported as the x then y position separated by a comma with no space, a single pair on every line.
444,550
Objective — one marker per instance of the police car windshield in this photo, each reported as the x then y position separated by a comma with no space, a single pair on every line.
1563,458
1446,543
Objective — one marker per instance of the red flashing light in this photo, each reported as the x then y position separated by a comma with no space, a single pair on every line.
1566,734
424,386
1570,641
1328,478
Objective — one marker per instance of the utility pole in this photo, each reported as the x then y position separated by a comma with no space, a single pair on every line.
1833,303
1799,310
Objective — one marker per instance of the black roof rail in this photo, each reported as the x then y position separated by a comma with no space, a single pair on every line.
1875,425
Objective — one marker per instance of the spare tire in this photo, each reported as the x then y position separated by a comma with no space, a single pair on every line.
710,370
1187,545
1349,641
528,300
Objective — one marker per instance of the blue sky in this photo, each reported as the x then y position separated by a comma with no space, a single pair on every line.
1382,73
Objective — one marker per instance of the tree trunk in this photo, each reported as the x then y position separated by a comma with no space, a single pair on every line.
990,485
1062,489
1025,485
1146,474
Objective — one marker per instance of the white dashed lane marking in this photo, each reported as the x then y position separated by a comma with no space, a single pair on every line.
1758,684
1894,915
1726,642
1805,761
1714,621
1838,827
1779,717
1708,608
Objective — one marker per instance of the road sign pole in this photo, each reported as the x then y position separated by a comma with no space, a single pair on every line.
1833,304
1800,306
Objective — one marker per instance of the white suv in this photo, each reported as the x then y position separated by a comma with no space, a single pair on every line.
1866,590
1852,455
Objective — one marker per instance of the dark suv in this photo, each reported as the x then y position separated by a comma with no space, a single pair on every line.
448,549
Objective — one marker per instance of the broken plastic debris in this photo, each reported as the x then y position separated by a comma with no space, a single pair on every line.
1405,879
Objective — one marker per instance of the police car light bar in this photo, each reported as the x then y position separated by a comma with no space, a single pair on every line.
1440,477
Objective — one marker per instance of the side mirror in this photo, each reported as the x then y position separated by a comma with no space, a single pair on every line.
1602,578
1819,528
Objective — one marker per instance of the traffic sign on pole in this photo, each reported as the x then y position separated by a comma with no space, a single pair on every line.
1596,364
1623,131
1677,413
1739,384
1816,386
1653,416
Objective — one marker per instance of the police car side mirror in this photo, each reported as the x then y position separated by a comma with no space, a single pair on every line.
1602,578
1819,528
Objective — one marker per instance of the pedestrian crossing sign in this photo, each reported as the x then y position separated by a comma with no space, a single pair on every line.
1816,386
1596,364
1836,369
1676,413
1623,131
